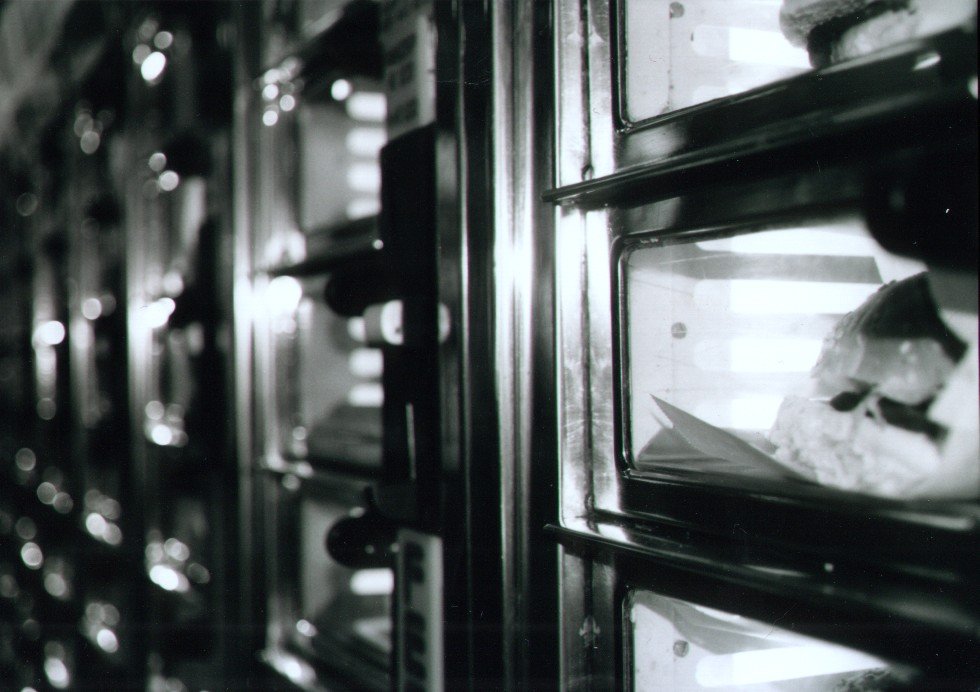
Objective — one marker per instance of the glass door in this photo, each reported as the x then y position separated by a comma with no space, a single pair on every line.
309,258
767,343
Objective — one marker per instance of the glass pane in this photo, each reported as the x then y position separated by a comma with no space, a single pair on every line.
339,606
678,645
328,381
340,139
679,54
743,361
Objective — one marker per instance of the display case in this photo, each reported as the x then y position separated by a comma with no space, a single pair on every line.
767,343
312,246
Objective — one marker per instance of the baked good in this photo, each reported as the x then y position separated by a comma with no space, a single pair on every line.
836,30
894,411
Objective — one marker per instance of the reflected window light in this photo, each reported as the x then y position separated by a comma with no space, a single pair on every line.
341,89
287,102
365,141
372,582
270,117
153,66
972,87
168,181
367,106
284,294
765,297
50,333
778,664
364,177
749,412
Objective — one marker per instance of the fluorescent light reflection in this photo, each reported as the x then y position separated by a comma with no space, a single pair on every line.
366,362
367,106
369,394
372,582
750,412
769,297
365,141
804,241
57,673
364,177
757,355
107,640
784,663
362,207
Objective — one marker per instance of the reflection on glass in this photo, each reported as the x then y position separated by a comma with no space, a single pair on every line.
681,646
340,606
328,382
779,355
676,54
